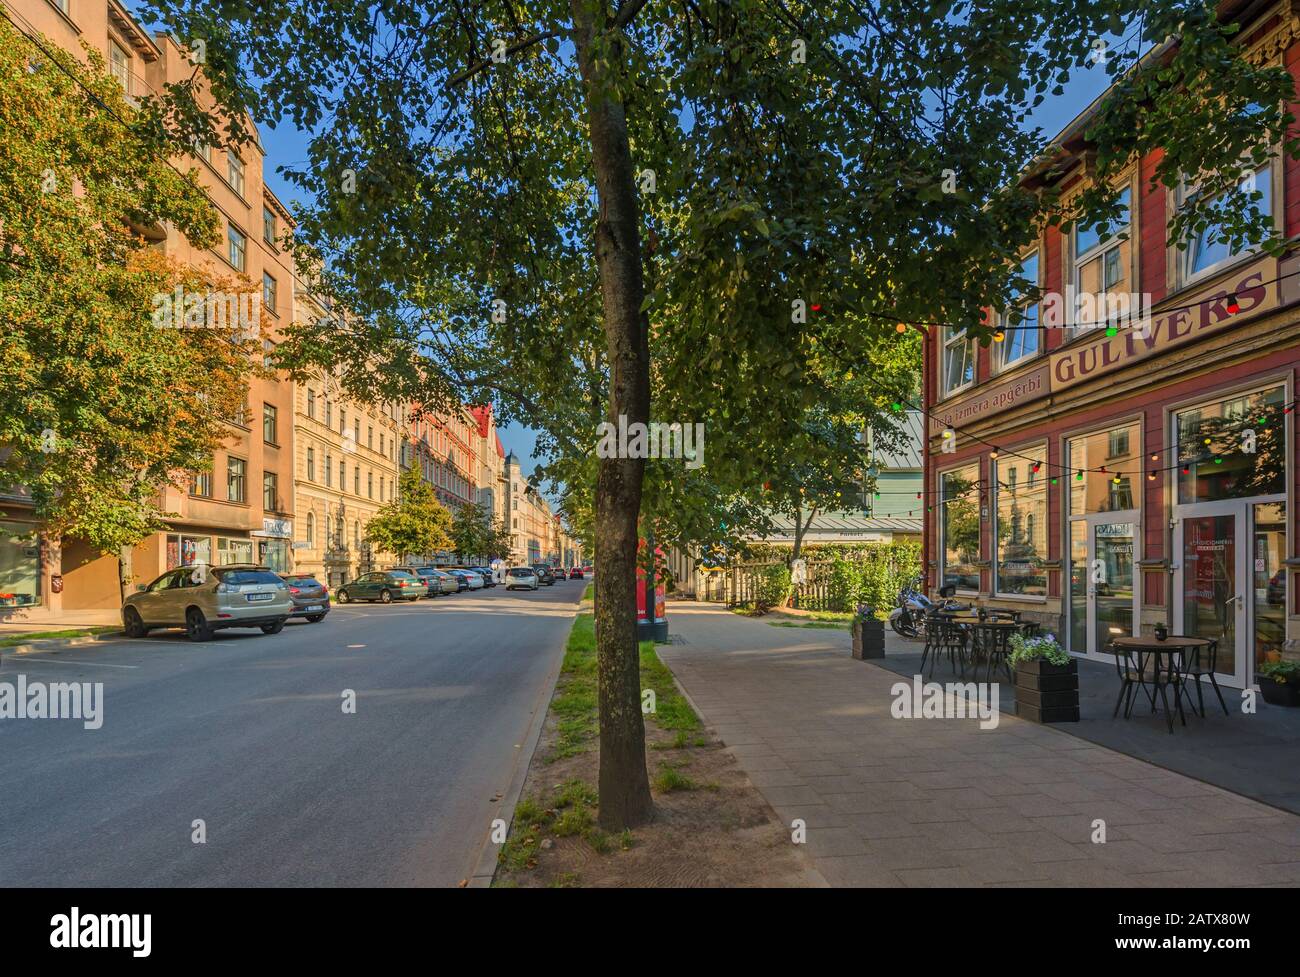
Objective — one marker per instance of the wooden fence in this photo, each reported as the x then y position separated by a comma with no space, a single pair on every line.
738,585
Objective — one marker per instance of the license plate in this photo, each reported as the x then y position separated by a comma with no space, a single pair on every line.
314,607
257,597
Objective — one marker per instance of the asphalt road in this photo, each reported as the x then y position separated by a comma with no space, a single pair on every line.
248,733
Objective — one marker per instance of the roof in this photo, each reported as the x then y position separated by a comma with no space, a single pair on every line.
908,454
843,525
482,415
501,451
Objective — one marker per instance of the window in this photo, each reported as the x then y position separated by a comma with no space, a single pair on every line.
356,479
959,525
119,66
270,492
343,421
958,360
343,476
329,410
1238,474
236,470
329,470
311,529
1093,462
268,225
1101,264
203,150
1020,322
311,464
268,354
1206,250
311,404
202,487
370,437
236,248
269,423
269,291
1020,532
235,172
370,485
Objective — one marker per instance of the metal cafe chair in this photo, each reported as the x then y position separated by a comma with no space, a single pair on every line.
993,642
1196,666
1130,679
943,637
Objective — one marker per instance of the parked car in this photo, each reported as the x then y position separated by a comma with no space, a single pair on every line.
432,578
575,573
311,598
472,580
442,580
384,586
489,580
521,578
204,600
544,574
559,574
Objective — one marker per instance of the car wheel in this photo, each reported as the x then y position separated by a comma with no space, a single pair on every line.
133,624
342,597
385,597
315,618
275,628
196,625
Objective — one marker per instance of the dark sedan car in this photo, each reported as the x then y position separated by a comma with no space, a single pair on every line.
311,598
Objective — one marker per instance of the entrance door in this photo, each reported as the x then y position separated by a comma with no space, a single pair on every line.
1229,585
1102,580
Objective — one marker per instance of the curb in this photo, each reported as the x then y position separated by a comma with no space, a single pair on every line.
48,644
485,866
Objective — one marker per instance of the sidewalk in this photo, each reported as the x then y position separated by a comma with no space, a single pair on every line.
940,802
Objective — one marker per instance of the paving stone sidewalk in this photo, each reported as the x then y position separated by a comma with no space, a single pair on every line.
941,802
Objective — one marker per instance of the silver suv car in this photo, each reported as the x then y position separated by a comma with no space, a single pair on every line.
204,599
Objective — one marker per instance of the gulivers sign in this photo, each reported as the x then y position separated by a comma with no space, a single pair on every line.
1193,316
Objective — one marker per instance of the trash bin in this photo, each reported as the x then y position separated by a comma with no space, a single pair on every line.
868,635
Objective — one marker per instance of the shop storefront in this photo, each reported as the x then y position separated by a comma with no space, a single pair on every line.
20,565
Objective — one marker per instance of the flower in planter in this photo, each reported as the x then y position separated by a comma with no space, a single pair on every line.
1282,672
1044,647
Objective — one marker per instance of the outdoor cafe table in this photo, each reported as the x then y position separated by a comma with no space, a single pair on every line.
985,632
1144,649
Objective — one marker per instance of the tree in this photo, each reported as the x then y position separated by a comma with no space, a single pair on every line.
102,402
471,531
749,187
415,523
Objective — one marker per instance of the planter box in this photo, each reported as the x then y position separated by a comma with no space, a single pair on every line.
1047,693
868,639
1279,693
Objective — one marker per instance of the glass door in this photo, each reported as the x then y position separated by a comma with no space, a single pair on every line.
1102,580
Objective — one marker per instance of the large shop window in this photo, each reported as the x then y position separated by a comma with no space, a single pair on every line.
188,550
1104,470
960,525
1207,250
234,551
1213,448
1020,487
1020,322
20,565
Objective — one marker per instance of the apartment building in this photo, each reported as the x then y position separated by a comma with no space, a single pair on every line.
346,468
242,510
1102,481
490,477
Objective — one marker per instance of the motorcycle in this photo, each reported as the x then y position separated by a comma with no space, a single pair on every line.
914,608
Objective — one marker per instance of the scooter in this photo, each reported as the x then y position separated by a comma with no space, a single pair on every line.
909,617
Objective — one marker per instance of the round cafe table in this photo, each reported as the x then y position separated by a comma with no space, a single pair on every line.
1142,650
988,639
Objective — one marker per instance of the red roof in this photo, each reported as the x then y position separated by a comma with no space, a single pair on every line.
483,417
501,451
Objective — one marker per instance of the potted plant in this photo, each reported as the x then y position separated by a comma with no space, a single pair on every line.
1279,683
1162,632
868,634
1046,679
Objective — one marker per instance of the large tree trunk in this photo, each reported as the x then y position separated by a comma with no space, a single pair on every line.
624,785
